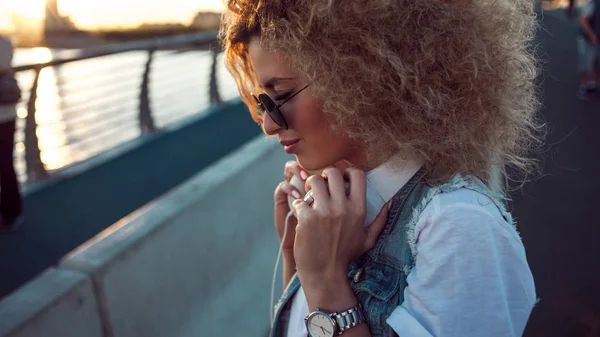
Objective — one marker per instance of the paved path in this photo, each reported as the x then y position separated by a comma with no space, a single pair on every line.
559,214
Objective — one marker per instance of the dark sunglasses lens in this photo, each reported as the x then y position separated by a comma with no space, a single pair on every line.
272,109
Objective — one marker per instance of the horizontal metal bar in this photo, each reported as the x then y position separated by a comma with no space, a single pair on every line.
99,90
176,110
103,135
133,68
82,126
160,82
166,82
167,63
74,142
165,75
112,126
76,114
204,37
159,100
102,72
87,118
173,117
158,85
71,109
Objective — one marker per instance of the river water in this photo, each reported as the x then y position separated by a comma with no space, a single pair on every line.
87,107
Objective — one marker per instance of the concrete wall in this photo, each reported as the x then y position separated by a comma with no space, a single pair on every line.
83,200
196,262
57,303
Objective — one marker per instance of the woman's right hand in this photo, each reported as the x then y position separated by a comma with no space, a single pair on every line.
282,208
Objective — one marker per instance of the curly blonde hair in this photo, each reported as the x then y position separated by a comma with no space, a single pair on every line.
451,81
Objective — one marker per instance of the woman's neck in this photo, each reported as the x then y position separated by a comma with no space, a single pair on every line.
359,160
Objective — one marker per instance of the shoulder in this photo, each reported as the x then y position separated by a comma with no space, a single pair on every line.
6,53
463,198
466,214
5,43
588,9
466,247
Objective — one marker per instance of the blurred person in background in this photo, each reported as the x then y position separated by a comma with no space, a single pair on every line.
419,100
11,217
587,49
571,9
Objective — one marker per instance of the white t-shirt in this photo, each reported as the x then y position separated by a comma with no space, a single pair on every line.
471,276
588,9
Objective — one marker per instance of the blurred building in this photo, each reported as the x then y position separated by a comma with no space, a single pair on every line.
206,21
54,22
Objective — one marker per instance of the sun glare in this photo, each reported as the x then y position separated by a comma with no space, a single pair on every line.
31,9
87,14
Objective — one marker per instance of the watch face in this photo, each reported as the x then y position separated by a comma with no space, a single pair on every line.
320,325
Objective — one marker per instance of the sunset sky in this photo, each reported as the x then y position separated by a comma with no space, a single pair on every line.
110,13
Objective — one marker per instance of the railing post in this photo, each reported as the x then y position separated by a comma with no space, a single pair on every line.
145,116
33,159
213,93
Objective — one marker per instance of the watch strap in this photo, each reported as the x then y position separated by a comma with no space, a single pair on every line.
349,318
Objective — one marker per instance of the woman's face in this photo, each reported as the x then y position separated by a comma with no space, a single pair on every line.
309,136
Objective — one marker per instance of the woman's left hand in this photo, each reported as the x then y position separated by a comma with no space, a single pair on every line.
331,233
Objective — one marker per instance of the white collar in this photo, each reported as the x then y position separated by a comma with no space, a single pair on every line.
388,178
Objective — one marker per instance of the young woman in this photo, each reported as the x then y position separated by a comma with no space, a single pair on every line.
414,103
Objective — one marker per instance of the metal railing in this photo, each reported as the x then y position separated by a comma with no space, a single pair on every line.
83,105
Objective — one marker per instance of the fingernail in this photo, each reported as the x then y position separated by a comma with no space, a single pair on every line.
389,204
296,194
303,175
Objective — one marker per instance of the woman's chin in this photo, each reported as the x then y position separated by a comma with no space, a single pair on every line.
307,164
312,166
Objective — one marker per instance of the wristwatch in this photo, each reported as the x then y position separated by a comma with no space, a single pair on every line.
322,324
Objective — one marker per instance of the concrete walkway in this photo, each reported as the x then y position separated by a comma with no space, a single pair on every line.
558,215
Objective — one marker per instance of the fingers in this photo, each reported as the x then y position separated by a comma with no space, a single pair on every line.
301,207
331,185
335,183
358,184
293,168
290,168
318,185
288,189
374,229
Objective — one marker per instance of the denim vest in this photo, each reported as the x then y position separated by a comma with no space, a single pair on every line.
378,278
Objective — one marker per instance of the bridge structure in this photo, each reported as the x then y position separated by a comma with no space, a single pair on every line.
168,231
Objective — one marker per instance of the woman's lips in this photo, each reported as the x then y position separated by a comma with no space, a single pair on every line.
290,146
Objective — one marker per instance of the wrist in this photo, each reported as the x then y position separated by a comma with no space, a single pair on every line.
329,296
287,253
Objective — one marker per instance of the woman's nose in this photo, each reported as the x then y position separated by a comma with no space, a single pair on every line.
270,128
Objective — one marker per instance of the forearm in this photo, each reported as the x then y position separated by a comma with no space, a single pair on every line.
585,25
289,267
334,297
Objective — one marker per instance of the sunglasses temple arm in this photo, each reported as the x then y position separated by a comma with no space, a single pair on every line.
294,95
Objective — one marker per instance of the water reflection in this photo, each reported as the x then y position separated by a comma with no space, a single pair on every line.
87,107
51,129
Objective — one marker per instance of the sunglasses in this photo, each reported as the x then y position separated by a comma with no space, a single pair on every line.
266,104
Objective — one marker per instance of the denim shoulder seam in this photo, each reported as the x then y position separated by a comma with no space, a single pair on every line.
456,183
